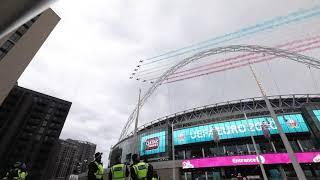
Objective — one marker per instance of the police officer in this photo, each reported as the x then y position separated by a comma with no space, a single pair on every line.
118,171
140,170
96,170
19,171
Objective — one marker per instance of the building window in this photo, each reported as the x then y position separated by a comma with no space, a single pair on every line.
2,54
307,145
22,30
179,154
196,152
7,46
279,146
242,149
295,146
15,37
266,147
28,24
214,151
231,150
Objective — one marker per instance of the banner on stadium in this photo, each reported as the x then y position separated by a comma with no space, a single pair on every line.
292,123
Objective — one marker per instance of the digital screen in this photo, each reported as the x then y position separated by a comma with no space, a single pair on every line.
275,158
292,123
317,113
153,143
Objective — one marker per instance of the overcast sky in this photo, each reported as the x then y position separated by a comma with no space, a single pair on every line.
90,54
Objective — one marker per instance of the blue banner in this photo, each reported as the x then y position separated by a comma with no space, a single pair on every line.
292,123
153,143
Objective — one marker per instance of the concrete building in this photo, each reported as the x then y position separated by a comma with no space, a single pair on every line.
86,154
66,157
70,155
19,47
30,126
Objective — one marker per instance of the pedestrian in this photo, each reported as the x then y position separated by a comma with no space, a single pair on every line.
95,167
118,171
18,171
139,170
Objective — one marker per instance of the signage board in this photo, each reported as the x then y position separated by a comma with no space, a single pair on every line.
153,143
292,123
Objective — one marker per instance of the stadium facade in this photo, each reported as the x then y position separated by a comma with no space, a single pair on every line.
214,141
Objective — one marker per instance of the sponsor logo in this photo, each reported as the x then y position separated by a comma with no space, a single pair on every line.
187,164
316,159
292,123
152,143
181,137
248,160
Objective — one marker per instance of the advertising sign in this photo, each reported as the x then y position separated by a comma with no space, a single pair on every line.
292,123
317,113
276,158
153,143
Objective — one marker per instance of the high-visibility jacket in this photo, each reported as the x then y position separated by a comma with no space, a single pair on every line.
100,172
154,178
118,171
141,170
20,175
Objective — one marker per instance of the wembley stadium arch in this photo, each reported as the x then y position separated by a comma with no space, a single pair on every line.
310,61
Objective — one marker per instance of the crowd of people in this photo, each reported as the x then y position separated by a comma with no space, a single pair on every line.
138,170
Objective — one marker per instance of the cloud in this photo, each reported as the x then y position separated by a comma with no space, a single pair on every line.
90,54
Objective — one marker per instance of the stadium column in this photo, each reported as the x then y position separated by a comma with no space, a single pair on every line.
294,161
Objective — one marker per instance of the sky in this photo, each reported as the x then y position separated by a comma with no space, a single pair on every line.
91,53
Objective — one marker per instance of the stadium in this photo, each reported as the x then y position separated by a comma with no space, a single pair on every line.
258,137
217,141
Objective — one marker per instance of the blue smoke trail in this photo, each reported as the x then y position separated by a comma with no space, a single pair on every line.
269,24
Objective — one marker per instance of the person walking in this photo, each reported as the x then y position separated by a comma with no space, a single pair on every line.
96,170
140,170
119,171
